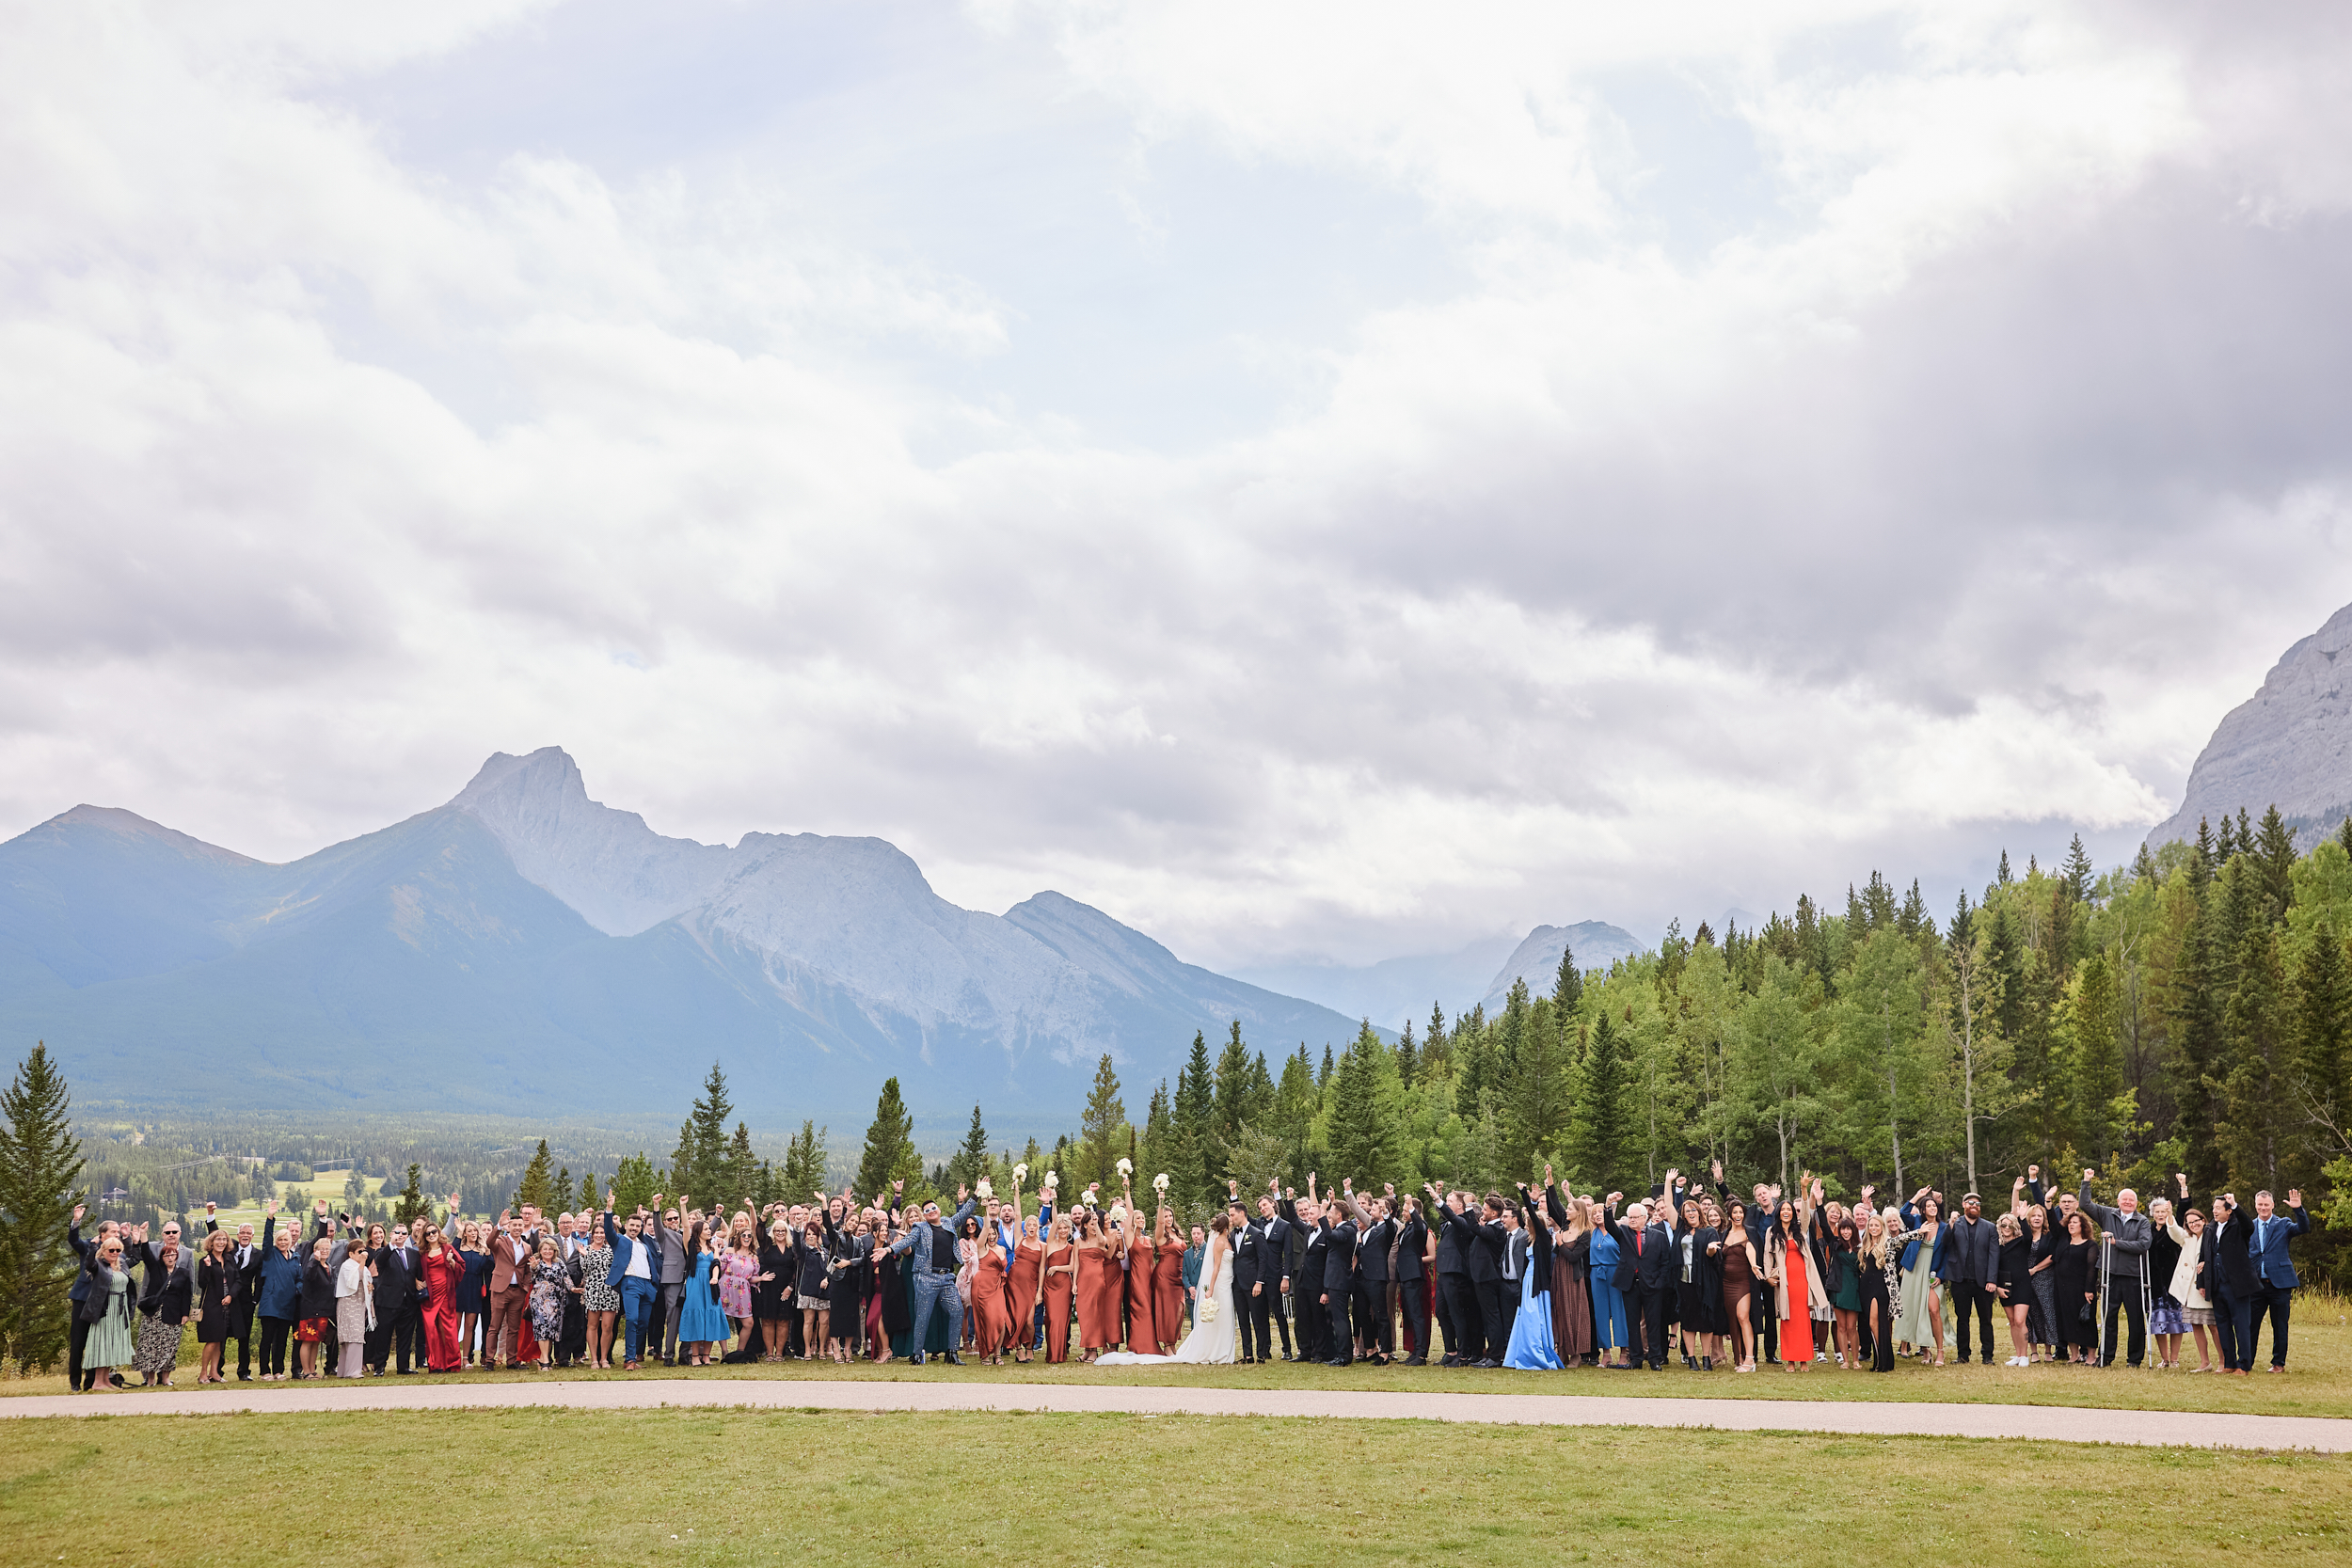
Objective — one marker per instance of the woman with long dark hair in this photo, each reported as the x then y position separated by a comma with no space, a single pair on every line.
473,1286
1841,1268
700,1324
1741,1268
1920,1323
441,1270
2078,1289
1790,1271
1571,1263
1698,1285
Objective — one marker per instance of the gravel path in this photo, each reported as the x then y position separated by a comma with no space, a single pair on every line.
2059,1423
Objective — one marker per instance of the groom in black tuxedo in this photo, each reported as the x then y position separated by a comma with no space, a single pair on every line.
1339,1287
1247,1296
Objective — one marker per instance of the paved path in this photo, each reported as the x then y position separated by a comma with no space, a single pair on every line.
2059,1423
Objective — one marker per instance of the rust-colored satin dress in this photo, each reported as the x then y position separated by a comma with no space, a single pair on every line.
1167,1294
1142,1330
1028,1259
988,1302
1057,1289
1093,1264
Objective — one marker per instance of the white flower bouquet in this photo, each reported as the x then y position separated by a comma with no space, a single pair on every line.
1021,1173
1208,1309
1159,1182
1126,1166
983,1188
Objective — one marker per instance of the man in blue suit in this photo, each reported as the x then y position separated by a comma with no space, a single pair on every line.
636,1273
2274,1274
929,1249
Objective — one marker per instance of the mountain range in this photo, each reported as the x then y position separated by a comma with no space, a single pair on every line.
2288,745
525,946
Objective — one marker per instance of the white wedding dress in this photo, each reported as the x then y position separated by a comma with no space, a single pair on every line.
1212,1339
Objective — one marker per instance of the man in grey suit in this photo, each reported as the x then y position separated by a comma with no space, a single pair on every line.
669,1247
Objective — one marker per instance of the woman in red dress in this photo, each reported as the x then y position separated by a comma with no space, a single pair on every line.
1167,1284
1022,1285
1061,1270
444,1269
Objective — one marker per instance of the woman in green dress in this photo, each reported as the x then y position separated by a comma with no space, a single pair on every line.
106,1308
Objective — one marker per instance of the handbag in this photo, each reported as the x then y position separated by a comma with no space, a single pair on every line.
2089,1314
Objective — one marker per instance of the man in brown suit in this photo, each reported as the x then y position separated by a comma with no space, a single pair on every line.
511,1250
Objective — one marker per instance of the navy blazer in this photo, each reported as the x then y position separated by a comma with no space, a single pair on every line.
2268,1246
623,1249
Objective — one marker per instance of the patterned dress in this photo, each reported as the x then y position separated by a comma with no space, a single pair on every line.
734,1283
596,1264
551,1283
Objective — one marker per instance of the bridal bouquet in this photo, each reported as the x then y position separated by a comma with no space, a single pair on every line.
1021,1173
1159,1182
1208,1307
983,1188
1052,1180
1126,1166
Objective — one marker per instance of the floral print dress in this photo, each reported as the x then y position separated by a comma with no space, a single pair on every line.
596,1265
734,1283
551,1282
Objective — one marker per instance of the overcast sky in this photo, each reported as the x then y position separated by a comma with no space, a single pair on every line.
1311,479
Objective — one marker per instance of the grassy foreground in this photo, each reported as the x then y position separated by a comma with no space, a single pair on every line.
2320,1384
736,1486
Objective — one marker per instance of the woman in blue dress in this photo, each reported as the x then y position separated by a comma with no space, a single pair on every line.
1609,1335
701,1324
1530,1348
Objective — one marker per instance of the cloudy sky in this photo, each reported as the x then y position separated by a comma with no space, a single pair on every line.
1314,481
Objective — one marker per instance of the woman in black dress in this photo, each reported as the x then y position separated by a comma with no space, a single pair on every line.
2078,1289
216,1286
771,1291
2012,1281
1877,1278
1698,1286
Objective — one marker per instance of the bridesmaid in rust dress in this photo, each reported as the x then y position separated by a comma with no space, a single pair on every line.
1571,1263
1061,1272
988,1300
1092,1249
1142,1252
1168,1285
1024,1283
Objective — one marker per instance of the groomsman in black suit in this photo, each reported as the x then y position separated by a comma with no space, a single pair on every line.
1251,1341
1454,1286
1645,1261
1412,1239
1376,1235
399,1299
1339,1286
1306,1280
1486,1271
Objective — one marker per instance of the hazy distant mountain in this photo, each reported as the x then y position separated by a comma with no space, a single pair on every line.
2289,745
1396,990
1536,960
524,947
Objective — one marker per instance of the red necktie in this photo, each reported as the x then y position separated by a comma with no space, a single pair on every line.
1637,1244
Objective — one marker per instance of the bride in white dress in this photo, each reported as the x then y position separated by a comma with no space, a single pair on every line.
1210,1341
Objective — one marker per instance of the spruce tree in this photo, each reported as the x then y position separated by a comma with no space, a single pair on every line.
2204,862
1408,1056
2077,873
2344,832
1602,1131
2196,1058
1156,1151
970,1162
2143,865
2256,1123
564,1188
1535,1104
2274,858
41,1184
1296,1101
588,1203
1195,1155
2003,873
1360,1140
804,1172
538,1184
1323,1078
740,1170
1237,1078
889,1147
699,1166
414,1206
2322,1020
2093,1009
1103,1131
1435,1045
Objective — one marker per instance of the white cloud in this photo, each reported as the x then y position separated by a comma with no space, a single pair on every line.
1950,489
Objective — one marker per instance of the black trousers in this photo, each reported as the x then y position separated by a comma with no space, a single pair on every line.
1374,1324
399,1334
1651,1300
2124,1296
1489,1292
1972,1300
1462,1301
2271,1302
1341,1346
1447,1284
241,1330
1307,1317
2233,1326
1256,1336
76,1338
1764,1317
275,1332
1510,1293
1416,1314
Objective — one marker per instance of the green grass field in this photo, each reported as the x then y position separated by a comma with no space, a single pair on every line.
725,1487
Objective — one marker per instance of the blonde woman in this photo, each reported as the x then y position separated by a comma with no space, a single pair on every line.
1878,1286
215,1295
2013,1284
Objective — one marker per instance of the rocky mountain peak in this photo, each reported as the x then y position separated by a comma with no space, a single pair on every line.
2289,745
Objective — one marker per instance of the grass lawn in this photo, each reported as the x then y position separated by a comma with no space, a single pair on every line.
606,1488
2320,1384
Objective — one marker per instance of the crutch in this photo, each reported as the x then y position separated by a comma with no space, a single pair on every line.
2147,1309
2099,1355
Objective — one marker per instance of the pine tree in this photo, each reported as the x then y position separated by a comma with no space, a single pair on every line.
2143,865
2077,873
1324,1078
741,1169
1568,985
40,1177
970,1162
2274,858
1296,1101
1361,1140
2003,873
414,1206
538,1183
2344,832
699,1166
2323,1022
2101,1117
1535,1109
1155,1146
1602,1131
2204,860
889,1147
804,1172
1435,1045
634,1183
1408,1056
2196,1023
1195,1155
564,1189
1237,1099
588,1204
1103,1129
2255,1122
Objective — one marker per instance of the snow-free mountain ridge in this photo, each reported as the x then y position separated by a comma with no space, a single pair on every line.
2289,745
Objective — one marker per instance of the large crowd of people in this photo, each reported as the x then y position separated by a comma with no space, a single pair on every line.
1534,1278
